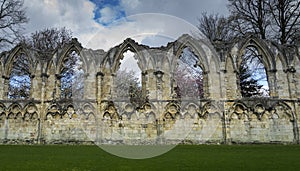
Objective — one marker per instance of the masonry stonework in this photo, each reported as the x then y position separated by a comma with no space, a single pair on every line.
221,116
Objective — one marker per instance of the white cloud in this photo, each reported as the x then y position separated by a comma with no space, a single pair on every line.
188,10
107,15
78,15
75,15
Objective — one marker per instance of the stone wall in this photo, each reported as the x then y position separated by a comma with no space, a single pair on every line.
222,116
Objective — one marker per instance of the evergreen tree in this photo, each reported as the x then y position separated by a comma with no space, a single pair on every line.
249,86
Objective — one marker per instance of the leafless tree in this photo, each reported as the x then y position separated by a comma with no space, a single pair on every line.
286,19
12,18
214,27
249,16
20,78
72,77
47,40
128,87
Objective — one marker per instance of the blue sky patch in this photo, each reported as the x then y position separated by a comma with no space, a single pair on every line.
107,11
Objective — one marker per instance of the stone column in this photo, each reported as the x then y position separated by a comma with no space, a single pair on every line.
206,86
226,128
1,88
99,79
56,88
42,116
159,90
144,84
87,89
272,83
291,82
5,87
159,84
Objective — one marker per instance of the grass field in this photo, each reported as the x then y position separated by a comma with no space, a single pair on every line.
183,157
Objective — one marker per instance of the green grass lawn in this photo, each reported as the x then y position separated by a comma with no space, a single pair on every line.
183,157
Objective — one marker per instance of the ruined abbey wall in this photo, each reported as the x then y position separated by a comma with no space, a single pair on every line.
221,116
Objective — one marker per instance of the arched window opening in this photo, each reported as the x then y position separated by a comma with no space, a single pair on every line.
72,77
19,79
253,77
189,76
128,81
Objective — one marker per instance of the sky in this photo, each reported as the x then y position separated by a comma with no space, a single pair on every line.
102,24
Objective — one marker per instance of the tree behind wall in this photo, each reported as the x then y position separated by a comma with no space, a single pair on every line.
249,86
128,87
46,41
286,19
20,78
252,75
12,18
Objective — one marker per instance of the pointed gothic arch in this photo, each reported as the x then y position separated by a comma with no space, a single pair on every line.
116,54
71,73
19,72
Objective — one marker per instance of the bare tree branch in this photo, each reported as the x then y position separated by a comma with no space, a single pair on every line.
12,17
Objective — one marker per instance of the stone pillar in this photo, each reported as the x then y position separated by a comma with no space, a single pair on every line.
42,116
99,79
291,81
159,84
206,85
149,85
1,88
237,82
36,87
87,89
56,88
5,87
226,128
159,93
272,83
144,84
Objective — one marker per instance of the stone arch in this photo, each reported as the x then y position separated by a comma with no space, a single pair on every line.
70,111
74,46
148,107
172,111
283,124
111,111
196,46
65,55
72,51
88,108
15,109
268,58
116,54
238,123
28,71
151,117
13,54
208,60
266,55
31,109
54,110
238,111
286,109
191,110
